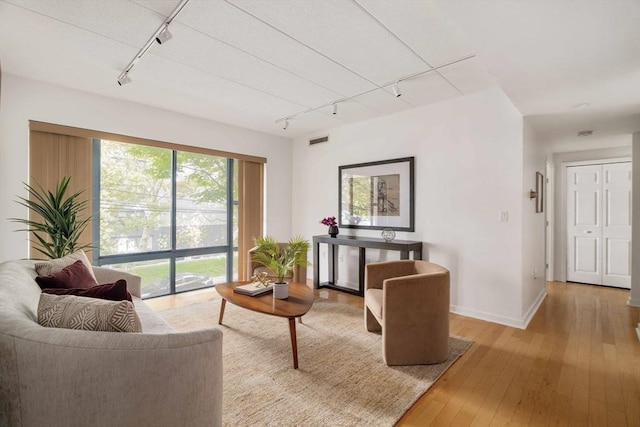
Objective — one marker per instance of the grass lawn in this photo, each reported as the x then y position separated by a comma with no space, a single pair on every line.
153,271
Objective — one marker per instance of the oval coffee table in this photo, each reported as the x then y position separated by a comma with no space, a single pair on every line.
297,305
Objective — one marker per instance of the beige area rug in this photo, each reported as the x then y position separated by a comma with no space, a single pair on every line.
341,380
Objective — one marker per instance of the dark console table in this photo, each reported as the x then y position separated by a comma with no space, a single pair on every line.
404,246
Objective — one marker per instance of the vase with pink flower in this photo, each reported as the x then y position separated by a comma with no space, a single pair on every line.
332,224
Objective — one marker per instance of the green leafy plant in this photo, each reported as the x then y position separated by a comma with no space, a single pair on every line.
58,233
281,260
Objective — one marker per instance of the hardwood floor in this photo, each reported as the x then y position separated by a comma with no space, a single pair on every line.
578,363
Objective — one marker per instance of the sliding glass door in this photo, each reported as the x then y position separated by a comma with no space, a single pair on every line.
165,215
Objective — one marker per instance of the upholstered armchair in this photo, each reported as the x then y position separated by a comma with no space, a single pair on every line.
299,274
409,301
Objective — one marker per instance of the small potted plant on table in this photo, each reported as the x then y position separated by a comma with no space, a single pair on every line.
281,260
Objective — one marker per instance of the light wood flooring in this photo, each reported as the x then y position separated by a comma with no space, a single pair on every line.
577,364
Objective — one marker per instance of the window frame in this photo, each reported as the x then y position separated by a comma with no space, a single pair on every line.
173,254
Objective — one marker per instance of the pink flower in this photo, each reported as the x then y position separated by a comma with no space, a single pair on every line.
330,221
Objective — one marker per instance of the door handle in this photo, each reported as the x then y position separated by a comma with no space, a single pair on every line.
588,232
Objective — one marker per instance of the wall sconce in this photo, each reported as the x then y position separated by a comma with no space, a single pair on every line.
538,193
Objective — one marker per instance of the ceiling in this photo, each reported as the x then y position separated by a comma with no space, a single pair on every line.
253,63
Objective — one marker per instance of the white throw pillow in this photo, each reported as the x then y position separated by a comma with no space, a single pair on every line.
46,268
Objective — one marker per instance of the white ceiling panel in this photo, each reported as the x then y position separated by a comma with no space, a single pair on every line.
203,53
229,24
342,31
88,61
309,123
426,89
383,102
422,27
120,20
469,76
163,80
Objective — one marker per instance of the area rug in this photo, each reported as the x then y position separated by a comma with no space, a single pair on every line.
341,380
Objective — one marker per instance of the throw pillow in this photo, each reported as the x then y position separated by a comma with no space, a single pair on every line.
46,268
74,276
111,291
91,314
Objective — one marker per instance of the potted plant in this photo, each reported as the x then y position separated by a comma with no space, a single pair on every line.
281,260
332,224
58,232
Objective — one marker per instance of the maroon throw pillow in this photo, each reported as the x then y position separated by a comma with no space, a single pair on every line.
112,291
77,275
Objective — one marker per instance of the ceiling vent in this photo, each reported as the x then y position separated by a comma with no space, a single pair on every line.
319,140
585,133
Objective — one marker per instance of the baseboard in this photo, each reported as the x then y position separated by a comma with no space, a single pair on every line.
503,320
534,307
633,302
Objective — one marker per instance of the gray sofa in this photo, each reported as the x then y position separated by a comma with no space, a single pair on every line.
64,377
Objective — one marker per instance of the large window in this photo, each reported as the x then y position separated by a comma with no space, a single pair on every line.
168,216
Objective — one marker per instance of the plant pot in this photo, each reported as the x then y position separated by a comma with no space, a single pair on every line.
281,290
333,230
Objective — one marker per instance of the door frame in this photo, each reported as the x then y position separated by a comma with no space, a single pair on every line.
563,206
549,195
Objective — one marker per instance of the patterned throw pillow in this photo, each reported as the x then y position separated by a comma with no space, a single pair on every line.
46,268
91,314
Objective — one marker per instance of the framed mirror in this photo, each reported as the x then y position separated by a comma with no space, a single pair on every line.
377,195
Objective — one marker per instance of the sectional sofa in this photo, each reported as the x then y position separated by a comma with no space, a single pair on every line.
68,377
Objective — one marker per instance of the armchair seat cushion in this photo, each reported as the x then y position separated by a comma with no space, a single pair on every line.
374,302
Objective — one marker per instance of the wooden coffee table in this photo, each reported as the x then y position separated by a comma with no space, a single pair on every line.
297,305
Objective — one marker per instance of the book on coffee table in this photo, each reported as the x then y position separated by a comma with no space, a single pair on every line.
252,290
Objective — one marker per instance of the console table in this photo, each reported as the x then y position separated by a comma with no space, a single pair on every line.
403,246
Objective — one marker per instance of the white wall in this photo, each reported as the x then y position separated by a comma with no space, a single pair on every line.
469,167
23,100
533,225
560,237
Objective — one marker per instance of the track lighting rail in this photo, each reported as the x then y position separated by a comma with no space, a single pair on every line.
161,35
396,91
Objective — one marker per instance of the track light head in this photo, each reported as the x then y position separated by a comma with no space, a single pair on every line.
286,124
123,79
396,89
335,109
164,35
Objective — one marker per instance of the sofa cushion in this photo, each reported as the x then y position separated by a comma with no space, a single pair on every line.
73,312
76,275
45,268
110,291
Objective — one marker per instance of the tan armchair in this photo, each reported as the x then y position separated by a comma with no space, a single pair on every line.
409,301
299,272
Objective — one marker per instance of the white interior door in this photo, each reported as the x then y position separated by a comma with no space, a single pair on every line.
599,224
616,230
584,224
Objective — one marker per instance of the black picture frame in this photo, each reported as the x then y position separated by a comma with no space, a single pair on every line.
377,195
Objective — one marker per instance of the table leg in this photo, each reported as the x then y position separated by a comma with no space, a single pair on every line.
224,302
294,341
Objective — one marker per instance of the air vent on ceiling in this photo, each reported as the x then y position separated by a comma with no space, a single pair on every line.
319,140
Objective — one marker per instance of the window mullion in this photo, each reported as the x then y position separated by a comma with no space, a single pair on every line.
229,220
174,220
